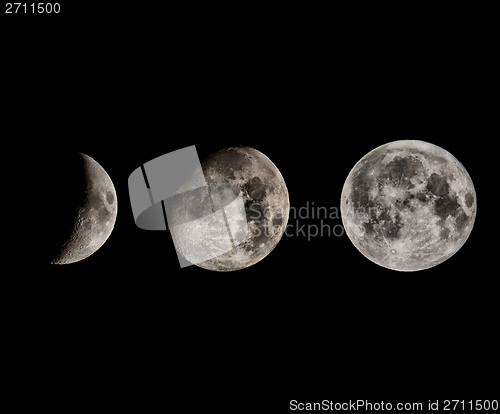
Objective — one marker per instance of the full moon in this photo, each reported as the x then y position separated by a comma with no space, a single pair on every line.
408,205
94,216
264,209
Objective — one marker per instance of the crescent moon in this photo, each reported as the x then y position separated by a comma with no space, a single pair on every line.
95,217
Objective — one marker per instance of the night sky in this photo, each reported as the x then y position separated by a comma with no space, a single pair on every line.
314,96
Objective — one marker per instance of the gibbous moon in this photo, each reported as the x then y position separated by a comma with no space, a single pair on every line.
93,218
266,201
258,226
408,205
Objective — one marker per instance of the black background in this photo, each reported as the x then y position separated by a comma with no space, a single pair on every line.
314,90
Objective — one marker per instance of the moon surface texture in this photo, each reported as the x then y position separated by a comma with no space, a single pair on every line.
256,226
408,205
94,217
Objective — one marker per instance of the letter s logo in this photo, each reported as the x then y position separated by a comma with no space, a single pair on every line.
205,220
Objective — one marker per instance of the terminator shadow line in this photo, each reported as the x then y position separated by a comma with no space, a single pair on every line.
163,185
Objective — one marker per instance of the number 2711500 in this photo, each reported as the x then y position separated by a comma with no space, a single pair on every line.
36,8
